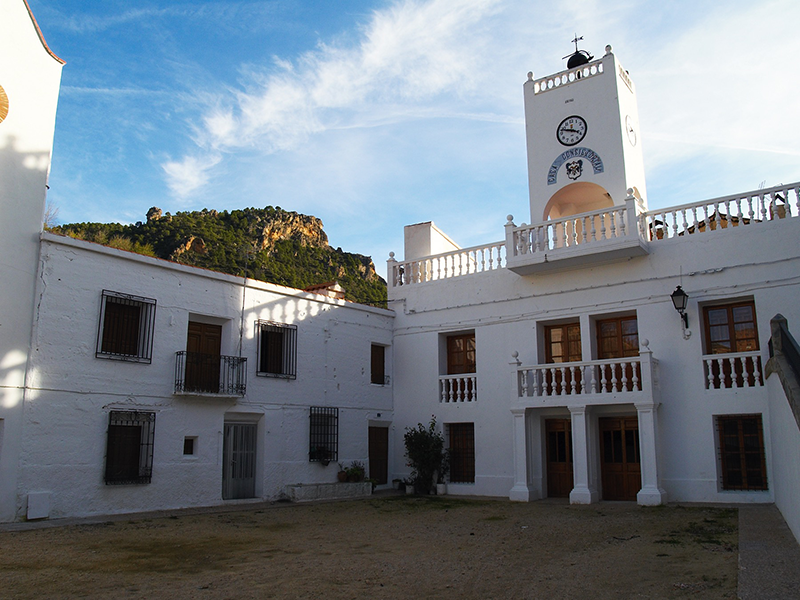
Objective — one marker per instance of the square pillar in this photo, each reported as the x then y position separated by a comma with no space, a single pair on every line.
582,492
522,490
651,493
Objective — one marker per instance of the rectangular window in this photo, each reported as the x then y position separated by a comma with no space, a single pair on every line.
378,365
126,327
462,452
277,350
129,447
188,446
731,329
741,449
461,354
563,343
324,434
618,338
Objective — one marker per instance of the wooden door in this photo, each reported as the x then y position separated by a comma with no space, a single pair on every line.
559,458
618,338
239,460
620,467
203,345
379,454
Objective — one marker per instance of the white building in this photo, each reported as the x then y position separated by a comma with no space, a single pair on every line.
553,358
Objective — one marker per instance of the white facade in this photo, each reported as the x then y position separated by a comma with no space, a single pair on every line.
553,359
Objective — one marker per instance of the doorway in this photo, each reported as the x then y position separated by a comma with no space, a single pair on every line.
379,454
559,458
203,345
620,466
239,460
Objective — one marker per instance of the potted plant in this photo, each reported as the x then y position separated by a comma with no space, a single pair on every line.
342,474
356,471
426,455
441,473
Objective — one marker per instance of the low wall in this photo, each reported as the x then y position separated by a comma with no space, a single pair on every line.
328,491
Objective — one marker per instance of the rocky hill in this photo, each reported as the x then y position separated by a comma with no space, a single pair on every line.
273,244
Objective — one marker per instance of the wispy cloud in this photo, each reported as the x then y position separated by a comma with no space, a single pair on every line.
405,55
190,173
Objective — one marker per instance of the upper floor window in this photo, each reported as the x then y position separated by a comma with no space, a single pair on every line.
277,349
563,343
461,353
617,337
129,447
378,365
126,327
730,328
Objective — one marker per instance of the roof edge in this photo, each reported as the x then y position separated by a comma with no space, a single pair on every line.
41,36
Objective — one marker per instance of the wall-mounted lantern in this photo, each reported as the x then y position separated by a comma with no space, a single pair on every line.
679,301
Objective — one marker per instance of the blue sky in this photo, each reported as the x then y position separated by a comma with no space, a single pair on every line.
372,115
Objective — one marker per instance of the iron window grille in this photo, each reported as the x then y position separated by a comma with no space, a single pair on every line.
125,331
129,447
277,350
324,435
741,451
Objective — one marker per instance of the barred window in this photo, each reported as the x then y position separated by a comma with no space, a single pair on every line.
741,449
324,434
126,327
277,350
129,447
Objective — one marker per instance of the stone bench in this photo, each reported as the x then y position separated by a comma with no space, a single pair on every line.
305,492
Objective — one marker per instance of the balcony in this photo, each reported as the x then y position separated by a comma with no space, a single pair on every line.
210,375
458,388
607,381
734,370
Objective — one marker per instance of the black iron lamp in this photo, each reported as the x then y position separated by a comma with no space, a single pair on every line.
679,300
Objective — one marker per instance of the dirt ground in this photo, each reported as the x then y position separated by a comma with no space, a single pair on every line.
390,547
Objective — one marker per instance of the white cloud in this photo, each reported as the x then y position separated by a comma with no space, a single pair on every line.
189,174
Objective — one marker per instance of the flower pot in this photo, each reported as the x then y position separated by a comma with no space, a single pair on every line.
342,476
409,489
396,484
441,489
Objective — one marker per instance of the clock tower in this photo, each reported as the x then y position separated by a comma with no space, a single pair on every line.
582,132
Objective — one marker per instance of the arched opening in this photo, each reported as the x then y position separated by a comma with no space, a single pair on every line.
577,198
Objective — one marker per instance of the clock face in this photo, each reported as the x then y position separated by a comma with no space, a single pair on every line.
631,130
571,130
3,104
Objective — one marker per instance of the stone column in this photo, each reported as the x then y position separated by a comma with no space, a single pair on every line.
521,492
581,493
651,493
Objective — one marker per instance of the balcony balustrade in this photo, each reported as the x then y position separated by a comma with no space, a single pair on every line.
592,382
734,370
458,388
209,374
464,261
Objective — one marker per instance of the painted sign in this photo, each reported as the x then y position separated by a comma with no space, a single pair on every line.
585,153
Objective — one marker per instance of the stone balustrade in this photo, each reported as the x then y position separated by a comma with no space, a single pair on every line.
458,388
738,210
569,76
464,261
733,370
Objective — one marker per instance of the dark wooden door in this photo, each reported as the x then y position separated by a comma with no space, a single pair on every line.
239,460
379,454
559,458
619,458
203,344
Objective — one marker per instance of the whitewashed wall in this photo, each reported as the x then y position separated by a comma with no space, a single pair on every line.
506,312
72,391
30,77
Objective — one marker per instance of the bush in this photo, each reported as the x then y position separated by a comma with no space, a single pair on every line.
426,455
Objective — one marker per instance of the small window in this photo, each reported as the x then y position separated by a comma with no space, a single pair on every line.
461,354
129,449
188,446
277,350
378,365
462,452
741,449
324,435
126,327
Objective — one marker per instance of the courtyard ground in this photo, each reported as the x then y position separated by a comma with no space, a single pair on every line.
384,547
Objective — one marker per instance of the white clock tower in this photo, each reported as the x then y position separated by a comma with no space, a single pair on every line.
582,130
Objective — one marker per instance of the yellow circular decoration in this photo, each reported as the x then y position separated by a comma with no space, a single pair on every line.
3,104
